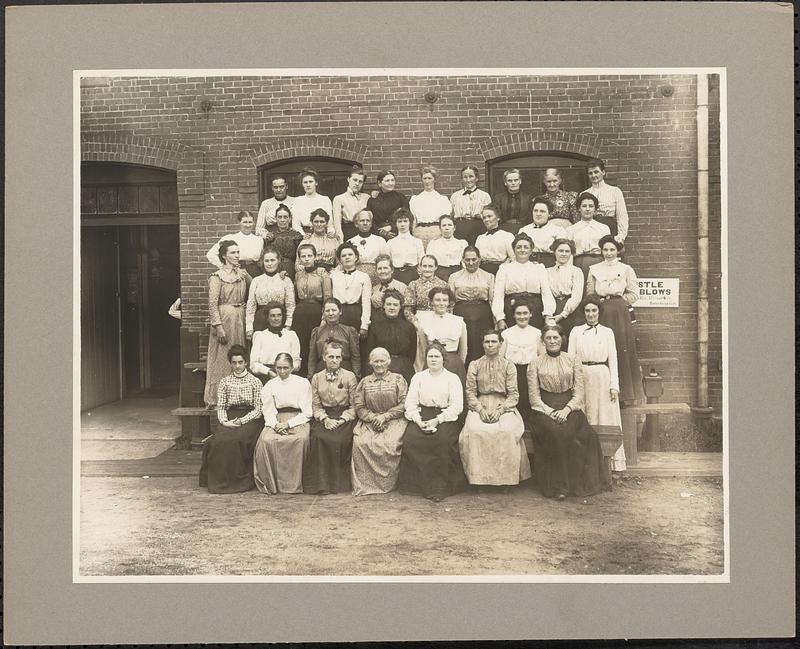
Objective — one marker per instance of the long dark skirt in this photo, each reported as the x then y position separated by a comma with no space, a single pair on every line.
351,315
478,318
406,275
546,258
402,366
227,465
616,317
534,300
444,272
469,229
524,405
567,458
490,266
584,261
453,363
431,463
571,320
327,466
307,315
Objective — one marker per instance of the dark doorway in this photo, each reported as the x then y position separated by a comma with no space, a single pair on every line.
333,174
532,167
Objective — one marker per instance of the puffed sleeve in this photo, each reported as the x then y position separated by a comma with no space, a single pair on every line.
360,403
548,301
412,400
213,255
293,343
621,214
576,403
222,400
590,283
631,293
214,288
534,394
257,353
576,296
366,302
268,408
288,300
498,304
463,342
455,402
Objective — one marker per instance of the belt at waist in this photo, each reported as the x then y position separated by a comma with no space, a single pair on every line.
595,362
287,409
472,301
311,300
428,225
234,305
514,296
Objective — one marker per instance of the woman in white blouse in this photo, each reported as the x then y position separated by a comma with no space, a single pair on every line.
447,250
593,344
586,234
430,465
250,245
353,288
522,280
283,444
272,286
566,283
405,249
615,284
445,328
270,342
428,207
542,231
304,205
521,344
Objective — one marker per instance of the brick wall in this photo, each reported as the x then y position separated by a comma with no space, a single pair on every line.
647,139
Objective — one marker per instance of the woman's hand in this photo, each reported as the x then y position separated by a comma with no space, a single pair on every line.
614,394
379,423
558,318
362,334
232,423
222,337
248,335
429,426
332,424
501,325
560,416
282,428
269,236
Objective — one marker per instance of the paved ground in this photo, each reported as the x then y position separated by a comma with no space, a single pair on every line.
143,514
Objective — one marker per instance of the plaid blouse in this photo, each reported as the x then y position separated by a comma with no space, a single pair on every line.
239,392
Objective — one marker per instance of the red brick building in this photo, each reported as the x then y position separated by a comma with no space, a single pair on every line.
169,161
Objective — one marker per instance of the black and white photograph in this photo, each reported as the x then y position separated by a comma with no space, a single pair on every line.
402,324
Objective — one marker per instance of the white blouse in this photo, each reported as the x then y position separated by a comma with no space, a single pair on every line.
265,289
612,278
469,205
250,247
544,236
496,246
304,205
267,345
448,329
438,391
566,280
514,277
448,252
369,247
521,346
406,250
596,345
352,288
586,235
428,206
294,392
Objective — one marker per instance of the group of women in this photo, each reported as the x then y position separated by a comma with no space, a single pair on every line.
426,358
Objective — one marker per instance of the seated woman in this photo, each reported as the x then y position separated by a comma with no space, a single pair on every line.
272,286
333,330
324,242
567,458
385,272
566,284
496,245
369,246
543,231
282,446
416,296
271,342
284,238
593,345
446,249
227,465
448,329
333,391
395,334
431,465
250,246
491,446
521,344
405,249
378,434
313,285
473,290
352,288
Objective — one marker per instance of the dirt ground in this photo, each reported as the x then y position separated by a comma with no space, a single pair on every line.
169,526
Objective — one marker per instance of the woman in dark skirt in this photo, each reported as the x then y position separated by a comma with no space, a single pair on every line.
566,283
431,464
586,234
473,289
333,391
285,239
313,285
521,344
395,334
615,284
353,288
567,458
227,465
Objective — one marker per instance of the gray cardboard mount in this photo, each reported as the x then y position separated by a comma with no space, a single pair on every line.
44,44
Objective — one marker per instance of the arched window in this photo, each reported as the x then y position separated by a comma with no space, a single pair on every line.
532,167
333,173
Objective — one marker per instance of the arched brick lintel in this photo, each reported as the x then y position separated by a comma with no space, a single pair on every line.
308,146
588,145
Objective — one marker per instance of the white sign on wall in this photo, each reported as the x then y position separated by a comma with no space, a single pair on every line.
658,292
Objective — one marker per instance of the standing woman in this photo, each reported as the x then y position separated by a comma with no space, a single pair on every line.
615,284
282,446
543,231
586,234
431,465
491,446
467,204
522,280
427,207
395,334
593,344
272,286
333,330
272,341
448,329
385,273
418,291
370,246
566,282
567,458
353,289
385,203
447,250
378,434
333,391
227,465
250,245
304,207
227,297
405,249
565,211
284,238
473,292
521,344
313,284
495,245
323,241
